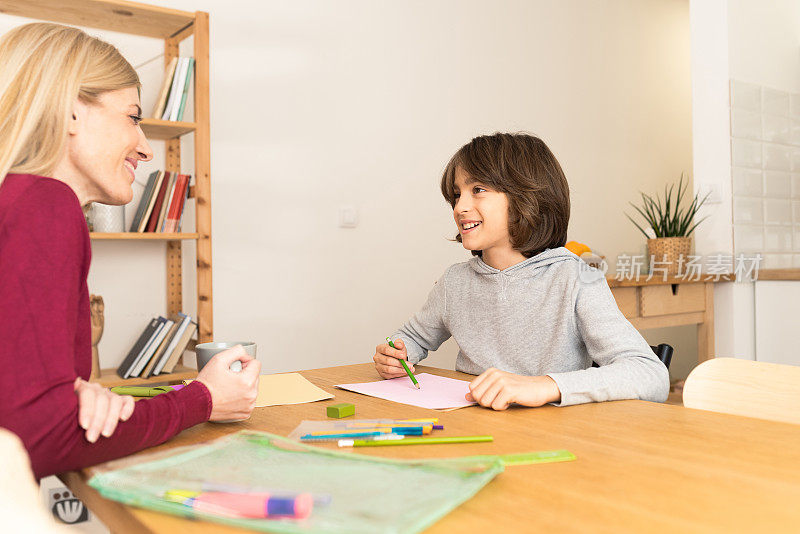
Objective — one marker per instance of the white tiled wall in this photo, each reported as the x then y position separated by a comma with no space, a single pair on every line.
765,155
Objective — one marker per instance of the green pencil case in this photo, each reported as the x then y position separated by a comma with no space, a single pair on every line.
143,391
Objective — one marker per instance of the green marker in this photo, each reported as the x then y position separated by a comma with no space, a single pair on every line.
541,457
413,441
405,366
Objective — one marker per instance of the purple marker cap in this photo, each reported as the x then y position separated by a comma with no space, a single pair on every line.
298,506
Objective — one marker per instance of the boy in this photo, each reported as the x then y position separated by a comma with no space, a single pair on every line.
525,316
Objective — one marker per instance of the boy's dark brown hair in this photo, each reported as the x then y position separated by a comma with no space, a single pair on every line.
522,167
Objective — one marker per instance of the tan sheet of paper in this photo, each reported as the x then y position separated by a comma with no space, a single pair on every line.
288,388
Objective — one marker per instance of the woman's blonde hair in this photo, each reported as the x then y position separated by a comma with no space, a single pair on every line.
44,68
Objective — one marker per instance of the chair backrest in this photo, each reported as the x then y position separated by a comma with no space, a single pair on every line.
744,387
664,353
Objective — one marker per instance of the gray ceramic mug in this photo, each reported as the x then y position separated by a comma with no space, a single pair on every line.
206,351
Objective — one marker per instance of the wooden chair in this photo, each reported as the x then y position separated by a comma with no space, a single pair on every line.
663,351
744,387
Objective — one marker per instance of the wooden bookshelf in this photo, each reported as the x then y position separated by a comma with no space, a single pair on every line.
172,26
164,130
109,378
143,236
119,16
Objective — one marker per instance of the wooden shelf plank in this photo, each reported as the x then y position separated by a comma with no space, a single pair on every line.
160,129
142,236
779,274
115,15
658,280
109,378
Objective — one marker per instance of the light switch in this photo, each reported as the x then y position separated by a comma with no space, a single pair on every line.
713,192
348,217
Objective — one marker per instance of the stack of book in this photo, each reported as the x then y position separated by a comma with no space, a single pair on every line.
172,97
159,347
161,206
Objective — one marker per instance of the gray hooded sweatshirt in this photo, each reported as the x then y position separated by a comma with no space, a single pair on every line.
549,315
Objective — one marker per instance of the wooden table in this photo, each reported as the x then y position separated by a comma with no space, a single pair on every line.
641,466
672,301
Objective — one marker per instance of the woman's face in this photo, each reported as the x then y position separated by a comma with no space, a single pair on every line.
106,144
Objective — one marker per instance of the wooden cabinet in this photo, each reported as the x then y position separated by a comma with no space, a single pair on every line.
672,302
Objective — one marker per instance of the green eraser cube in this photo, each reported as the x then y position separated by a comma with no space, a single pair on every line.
337,411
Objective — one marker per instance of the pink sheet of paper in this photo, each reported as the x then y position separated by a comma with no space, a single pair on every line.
436,392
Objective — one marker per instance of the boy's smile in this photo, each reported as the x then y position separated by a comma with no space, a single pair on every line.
481,215
468,226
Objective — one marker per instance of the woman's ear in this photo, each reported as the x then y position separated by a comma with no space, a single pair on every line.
77,117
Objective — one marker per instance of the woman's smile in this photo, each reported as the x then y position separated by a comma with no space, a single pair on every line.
130,164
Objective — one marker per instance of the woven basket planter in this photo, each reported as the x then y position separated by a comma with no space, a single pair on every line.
669,250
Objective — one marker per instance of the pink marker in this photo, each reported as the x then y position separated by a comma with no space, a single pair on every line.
254,505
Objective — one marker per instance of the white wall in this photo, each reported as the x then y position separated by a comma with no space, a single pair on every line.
764,49
712,163
319,104
764,43
711,124
750,41
777,310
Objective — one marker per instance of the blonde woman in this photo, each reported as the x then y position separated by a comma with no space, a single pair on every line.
69,136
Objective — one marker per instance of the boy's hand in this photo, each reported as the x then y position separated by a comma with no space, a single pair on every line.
386,360
498,390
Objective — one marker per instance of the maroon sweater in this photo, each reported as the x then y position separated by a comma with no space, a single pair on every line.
45,336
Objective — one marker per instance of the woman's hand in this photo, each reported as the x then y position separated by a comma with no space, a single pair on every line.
387,360
498,390
233,394
99,410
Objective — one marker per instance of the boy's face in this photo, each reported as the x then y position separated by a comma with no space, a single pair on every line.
481,215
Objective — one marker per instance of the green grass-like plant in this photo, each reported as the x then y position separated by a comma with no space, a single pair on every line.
672,218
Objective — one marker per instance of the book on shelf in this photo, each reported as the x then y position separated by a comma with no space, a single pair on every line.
182,206
176,204
174,93
182,82
162,347
173,90
157,362
149,200
159,347
162,203
149,335
166,325
164,92
137,349
177,346
162,214
185,94
183,344
159,201
148,190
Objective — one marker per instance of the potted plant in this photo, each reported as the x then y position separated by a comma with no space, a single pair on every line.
669,225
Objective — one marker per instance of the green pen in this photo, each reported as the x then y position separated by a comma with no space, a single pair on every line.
405,366
413,441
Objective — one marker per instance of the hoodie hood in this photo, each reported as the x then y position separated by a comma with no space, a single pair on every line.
528,268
